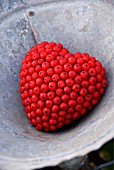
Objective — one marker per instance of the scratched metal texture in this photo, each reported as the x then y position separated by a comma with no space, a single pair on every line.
81,25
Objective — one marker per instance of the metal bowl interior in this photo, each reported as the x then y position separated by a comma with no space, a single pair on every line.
85,26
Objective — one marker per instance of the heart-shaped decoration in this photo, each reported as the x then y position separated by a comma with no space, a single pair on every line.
58,87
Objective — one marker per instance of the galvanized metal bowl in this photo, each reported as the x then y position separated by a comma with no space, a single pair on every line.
81,25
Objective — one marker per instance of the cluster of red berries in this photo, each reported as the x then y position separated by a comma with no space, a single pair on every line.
58,87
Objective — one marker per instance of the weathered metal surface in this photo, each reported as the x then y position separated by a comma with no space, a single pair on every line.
81,25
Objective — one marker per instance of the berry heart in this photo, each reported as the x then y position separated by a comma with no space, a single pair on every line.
58,87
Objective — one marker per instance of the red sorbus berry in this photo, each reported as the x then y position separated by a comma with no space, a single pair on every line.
58,69
72,74
92,72
52,86
64,75
83,91
61,84
76,87
50,57
67,89
84,74
44,88
77,68
49,103
42,74
72,60
47,79
91,89
78,79
92,80
80,61
85,66
50,72
54,63
63,106
51,95
69,82
72,103
57,100
40,104
73,95
45,66
59,92
80,99
55,78
68,67
37,90
65,98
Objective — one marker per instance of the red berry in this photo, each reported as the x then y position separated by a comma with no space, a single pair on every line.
70,82
38,68
44,88
59,92
42,74
47,111
50,72
55,108
41,104
92,80
47,79
49,58
34,75
91,63
76,87
72,74
80,99
51,95
77,55
49,103
73,95
55,78
65,98
85,67
32,84
72,103
80,61
62,113
104,83
37,90
39,112
77,68
91,89
63,106
75,115
92,72
34,98
52,86
54,63
68,55
45,65
88,97
84,74
83,91
78,79
62,61
85,83
64,75
58,69
72,60
78,107
61,84
39,81
43,55
67,89
57,100
68,67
